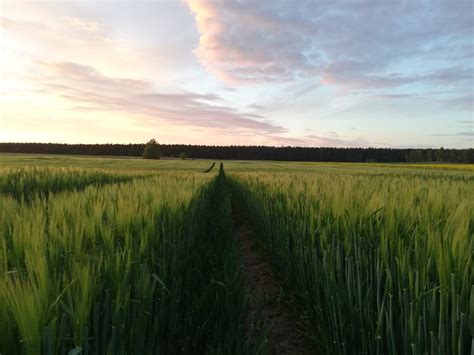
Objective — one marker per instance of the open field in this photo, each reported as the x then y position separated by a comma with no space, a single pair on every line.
115,163
138,164
130,256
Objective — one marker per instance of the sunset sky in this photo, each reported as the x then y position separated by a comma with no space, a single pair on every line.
297,72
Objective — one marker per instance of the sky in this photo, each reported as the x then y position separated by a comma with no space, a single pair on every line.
378,73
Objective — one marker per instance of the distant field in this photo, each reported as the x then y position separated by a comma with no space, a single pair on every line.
99,162
102,255
135,163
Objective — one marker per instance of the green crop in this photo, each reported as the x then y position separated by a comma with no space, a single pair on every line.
378,264
125,256
140,267
25,183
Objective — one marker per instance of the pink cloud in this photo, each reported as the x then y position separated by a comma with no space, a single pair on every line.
89,90
239,42
351,45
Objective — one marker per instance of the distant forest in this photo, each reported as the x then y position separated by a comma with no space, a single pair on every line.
253,152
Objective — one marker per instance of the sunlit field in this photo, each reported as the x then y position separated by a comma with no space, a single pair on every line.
102,255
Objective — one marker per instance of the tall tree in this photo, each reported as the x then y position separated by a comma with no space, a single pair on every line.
152,150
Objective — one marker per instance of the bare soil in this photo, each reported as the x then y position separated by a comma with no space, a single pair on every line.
266,297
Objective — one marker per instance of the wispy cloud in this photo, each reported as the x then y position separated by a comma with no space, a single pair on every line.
89,90
313,140
467,133
335,141
84,25
463,102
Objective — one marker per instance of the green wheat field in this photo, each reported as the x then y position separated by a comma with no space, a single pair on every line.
103,255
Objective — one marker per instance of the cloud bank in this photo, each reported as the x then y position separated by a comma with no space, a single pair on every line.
353,44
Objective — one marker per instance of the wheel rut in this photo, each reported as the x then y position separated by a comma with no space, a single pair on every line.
266,298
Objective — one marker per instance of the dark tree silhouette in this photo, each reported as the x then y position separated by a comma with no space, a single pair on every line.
151,150
253,152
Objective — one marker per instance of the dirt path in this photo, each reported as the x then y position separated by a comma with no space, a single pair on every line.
265,292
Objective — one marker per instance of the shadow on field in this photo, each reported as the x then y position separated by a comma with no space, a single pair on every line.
266,298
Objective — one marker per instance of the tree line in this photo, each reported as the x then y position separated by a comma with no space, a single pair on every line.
252,152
